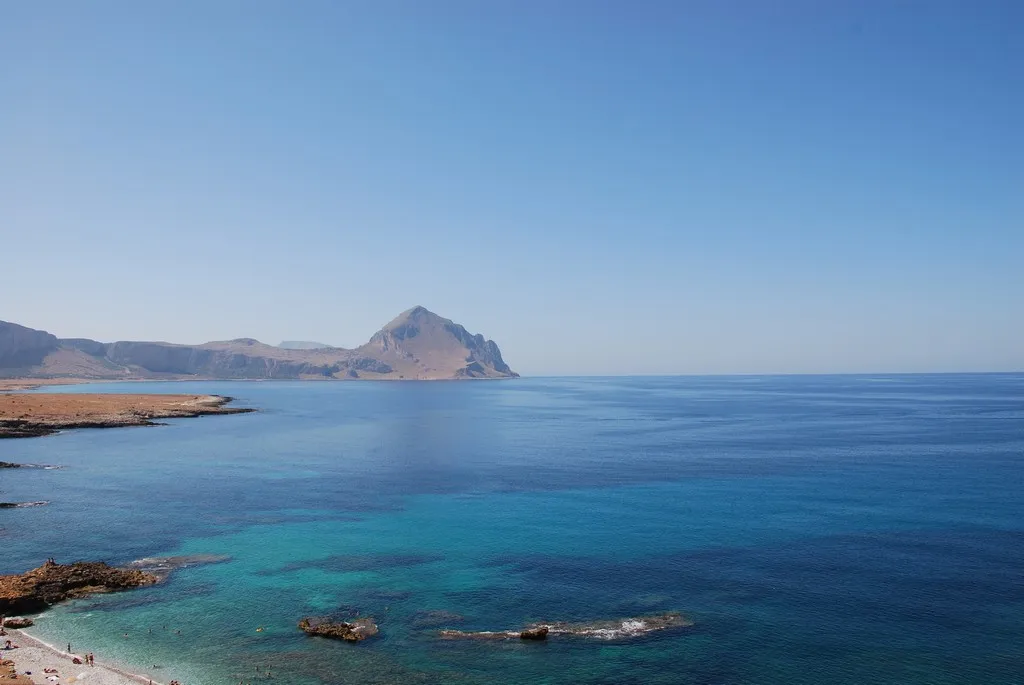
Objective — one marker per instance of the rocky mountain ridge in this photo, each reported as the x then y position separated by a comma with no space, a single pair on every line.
416,345
303,345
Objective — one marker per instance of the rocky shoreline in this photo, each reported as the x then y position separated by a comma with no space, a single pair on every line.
35,590
26,415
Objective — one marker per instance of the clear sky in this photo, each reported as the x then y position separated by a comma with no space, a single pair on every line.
601,187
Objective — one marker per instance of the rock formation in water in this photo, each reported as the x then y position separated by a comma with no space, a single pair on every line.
162,567
616,629
51,583
350,631
538,633
17,623
416,345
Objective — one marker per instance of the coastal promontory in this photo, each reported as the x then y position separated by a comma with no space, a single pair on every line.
35,414
416,345
51,583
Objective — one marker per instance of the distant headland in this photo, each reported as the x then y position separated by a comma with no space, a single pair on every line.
415,345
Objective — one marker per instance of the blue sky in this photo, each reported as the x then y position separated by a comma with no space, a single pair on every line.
601,187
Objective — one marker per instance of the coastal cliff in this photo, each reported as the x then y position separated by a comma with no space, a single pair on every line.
22,347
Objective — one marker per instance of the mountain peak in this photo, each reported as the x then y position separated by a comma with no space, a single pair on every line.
418,313
426,345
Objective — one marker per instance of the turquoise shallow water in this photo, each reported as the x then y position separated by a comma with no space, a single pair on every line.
816,529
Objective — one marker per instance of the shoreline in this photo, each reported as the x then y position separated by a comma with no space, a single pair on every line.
27,415
12,385
25,384
35,654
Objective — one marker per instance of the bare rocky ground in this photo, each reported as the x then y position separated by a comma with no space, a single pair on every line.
35,414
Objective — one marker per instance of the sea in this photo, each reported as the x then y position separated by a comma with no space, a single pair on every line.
842,530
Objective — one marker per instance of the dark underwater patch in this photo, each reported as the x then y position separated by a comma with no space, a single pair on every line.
140,598
333,662
435,618
889,584
350,563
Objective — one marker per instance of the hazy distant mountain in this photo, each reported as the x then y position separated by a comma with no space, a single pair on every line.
301,345
20,346
416,345
419,341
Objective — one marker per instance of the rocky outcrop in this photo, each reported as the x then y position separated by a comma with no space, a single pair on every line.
20,428
22,348
350,631
417,344
616,629
9,465
22,505
538,633
39,588
17,623
367,364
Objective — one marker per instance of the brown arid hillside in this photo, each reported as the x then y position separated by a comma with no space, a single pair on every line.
416,345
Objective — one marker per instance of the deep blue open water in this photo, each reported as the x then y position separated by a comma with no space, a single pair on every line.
816,529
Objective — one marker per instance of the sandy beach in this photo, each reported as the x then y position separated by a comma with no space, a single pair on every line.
34,656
